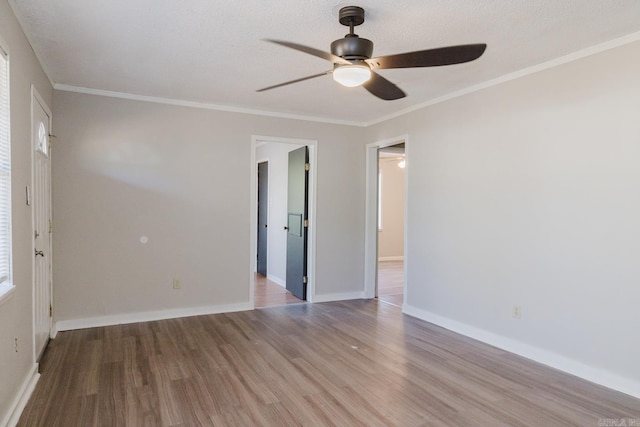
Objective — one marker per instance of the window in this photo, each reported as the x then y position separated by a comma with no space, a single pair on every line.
43,145
5,181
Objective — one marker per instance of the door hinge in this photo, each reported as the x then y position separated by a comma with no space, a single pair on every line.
50,311
50,227
306,222
307,166
304,279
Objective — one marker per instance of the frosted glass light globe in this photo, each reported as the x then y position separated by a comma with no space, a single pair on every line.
352,75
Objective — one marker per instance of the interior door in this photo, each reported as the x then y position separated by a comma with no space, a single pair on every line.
297,222
263,212
41,202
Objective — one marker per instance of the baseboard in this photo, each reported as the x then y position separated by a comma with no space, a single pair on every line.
391,258
277,281
546,357
148,316
338,297
21,398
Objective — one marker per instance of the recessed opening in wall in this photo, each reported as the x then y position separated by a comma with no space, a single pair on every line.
282,271
390,243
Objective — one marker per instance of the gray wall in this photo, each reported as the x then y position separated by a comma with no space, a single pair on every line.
16,314
181,176
529,193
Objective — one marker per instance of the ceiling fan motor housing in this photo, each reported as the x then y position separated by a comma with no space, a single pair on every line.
352,47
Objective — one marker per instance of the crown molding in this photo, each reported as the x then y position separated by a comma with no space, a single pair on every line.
583,53
574,56
201,105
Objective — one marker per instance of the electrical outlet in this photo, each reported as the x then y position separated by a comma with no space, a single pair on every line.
15,344
177,284
517,312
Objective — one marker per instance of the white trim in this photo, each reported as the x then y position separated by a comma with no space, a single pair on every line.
371,212
380,201
371,221
21,398
202,105
540,355
583,53
253,233
257,140
148,316
35,96
338,297
391,258
277,280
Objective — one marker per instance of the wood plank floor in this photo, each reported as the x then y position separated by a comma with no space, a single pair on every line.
353,363
269,294
391,282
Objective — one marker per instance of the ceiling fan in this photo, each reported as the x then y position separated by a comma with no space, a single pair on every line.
353,65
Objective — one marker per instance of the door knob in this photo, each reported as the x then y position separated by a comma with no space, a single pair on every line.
41,253
286,228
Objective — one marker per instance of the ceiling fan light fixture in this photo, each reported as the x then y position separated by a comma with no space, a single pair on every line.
352,75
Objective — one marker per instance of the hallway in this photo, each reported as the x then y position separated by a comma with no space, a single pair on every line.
391,282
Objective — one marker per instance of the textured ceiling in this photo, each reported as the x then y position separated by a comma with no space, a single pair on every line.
210,51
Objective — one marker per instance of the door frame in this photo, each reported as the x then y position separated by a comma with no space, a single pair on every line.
37,98
371,216
257,140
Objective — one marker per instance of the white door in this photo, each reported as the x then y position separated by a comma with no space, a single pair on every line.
41,202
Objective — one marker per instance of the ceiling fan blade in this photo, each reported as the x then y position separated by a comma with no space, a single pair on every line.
430,57
295,81
383,88
311,51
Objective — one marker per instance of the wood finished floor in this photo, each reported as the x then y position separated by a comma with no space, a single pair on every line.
269,294
391,282
348,363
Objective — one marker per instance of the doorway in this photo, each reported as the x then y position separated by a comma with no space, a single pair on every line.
279,251
391,167
40,200
386,256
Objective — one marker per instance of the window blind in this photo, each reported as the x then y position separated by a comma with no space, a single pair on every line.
5,172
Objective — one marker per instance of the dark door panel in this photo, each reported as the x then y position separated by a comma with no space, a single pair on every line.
263,211
298,214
